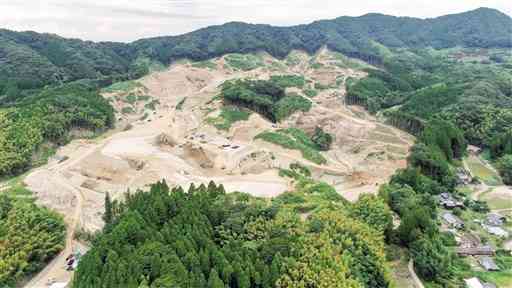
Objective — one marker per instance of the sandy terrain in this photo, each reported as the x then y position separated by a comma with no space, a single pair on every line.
179,146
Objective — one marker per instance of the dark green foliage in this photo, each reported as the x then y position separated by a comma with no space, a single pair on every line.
49,59
290,104
446,137
264,97
501,144
30,236
505,168
207,238
410,193
432,259
322,139
286,81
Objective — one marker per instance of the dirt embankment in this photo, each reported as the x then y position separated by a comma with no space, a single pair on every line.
173,141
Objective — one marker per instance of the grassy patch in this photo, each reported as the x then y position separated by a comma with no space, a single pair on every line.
316,65
127,110
286,81
244,62
123,86
496,200
320,86
310,92
289,105
131,98
207,64
152,105
143,98
294,139
482,171
293,59
228,116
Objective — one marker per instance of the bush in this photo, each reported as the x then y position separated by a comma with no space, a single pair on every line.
286,81
295,140
504,165
322,139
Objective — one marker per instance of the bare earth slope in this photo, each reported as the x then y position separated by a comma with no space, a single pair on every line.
179,145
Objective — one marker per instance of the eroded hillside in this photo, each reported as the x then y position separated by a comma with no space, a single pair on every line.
172,125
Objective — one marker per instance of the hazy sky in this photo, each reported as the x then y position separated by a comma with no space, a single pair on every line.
127,20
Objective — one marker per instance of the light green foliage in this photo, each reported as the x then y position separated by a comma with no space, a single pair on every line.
228,116
294,139
310,92
207,64
48,116
290,104
125,86
212,239
373,211
286,81
244,62
30,236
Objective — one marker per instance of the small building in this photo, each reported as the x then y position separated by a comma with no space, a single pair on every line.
448,202
496,231
473,283
463,176
488,263
495,219
481,250
452,220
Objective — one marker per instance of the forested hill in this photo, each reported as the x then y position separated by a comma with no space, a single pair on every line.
32,60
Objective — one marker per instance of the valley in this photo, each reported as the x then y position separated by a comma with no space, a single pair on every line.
181,147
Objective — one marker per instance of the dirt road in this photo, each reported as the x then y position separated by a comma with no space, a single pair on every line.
132,156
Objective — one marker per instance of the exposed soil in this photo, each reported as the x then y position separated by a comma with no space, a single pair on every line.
178,145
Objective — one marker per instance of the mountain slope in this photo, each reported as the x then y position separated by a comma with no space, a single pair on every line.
33,60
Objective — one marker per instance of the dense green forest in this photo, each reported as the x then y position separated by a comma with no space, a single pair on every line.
31,126
435,78
30,236
207,238
31,59
267,98
471,89
411,192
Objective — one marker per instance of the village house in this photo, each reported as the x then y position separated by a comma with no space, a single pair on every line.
495,219
448,202
481,250
452,220
488,263
496,231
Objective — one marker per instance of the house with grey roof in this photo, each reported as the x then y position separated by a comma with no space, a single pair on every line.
488,263
495,219
497,231
452,220
482,250
449,202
